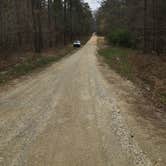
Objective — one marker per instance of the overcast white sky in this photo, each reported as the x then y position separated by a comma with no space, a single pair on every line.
93,4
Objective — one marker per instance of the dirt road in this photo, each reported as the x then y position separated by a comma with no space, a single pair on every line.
66,116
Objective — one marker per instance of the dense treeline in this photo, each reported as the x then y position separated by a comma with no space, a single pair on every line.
37,24
134,23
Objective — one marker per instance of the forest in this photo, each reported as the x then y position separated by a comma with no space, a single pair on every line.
38,24
132,23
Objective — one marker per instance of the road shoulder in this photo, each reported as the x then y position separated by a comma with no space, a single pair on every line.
146,122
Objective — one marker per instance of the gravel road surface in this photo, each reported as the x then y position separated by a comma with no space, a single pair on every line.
66,116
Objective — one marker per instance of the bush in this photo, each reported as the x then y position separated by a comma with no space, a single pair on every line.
121,37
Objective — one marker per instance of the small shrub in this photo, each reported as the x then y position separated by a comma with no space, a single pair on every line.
163,97
117,58
121,37
26,67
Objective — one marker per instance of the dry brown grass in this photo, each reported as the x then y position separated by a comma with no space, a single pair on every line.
146,71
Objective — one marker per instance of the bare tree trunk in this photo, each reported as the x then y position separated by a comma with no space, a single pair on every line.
65,19
49,22
36,11
19,37
145,27
71,20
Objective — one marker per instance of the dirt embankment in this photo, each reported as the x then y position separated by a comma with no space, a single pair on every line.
151,73
146,71
139,106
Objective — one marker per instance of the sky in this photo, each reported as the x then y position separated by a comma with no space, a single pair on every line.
93,4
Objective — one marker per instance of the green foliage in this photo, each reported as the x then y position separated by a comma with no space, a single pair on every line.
30,65
117,58
121,37
163,97
26,67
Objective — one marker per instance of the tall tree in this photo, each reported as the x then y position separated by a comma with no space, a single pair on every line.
45,23
144,19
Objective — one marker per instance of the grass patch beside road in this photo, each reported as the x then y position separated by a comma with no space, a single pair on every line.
24,63
145,70
31,63
25,68
117,58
